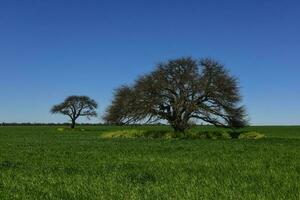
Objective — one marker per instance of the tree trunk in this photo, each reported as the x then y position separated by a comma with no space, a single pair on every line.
73,124
180,124
178,127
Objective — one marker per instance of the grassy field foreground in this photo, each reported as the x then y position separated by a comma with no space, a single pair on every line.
44,163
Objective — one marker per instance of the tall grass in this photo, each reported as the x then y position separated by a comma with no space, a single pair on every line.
44,163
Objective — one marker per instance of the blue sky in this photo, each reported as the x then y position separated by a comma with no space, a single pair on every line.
52,49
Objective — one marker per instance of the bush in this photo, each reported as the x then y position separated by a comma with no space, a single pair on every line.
251,135
70,129
133,133
60,129
152,134
208,135
138,133
158,134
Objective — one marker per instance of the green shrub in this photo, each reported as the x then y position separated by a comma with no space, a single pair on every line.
131,133
165,134
209,135
70,129
157,134
251,135
60,129
235,134
137,133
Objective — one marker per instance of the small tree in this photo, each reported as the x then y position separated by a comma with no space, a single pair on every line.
76,106
179,91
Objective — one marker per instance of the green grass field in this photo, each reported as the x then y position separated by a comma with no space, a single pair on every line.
44,163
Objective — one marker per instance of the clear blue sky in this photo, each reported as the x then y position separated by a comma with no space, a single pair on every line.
51,49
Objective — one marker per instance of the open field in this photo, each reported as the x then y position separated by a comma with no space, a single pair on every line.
44,163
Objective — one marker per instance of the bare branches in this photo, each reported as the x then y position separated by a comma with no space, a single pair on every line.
178,91
76,106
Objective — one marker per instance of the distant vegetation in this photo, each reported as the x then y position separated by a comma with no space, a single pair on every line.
50,124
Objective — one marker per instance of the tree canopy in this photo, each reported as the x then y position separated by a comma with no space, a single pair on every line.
180,91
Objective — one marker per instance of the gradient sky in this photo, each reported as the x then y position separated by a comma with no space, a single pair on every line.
55,48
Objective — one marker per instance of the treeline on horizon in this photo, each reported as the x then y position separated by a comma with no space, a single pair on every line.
67,124
106,124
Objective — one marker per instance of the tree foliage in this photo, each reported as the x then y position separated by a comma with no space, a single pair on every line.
76,106
179,91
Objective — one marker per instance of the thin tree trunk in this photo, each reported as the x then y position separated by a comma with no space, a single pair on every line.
178,128
73,124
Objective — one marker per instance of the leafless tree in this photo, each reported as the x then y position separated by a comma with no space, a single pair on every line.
179,91
76,106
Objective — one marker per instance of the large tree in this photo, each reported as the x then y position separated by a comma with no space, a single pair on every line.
180,91
76,106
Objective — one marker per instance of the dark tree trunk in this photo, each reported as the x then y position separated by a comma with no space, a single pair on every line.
73,124
178,127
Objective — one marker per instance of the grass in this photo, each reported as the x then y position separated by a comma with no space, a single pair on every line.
45,163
